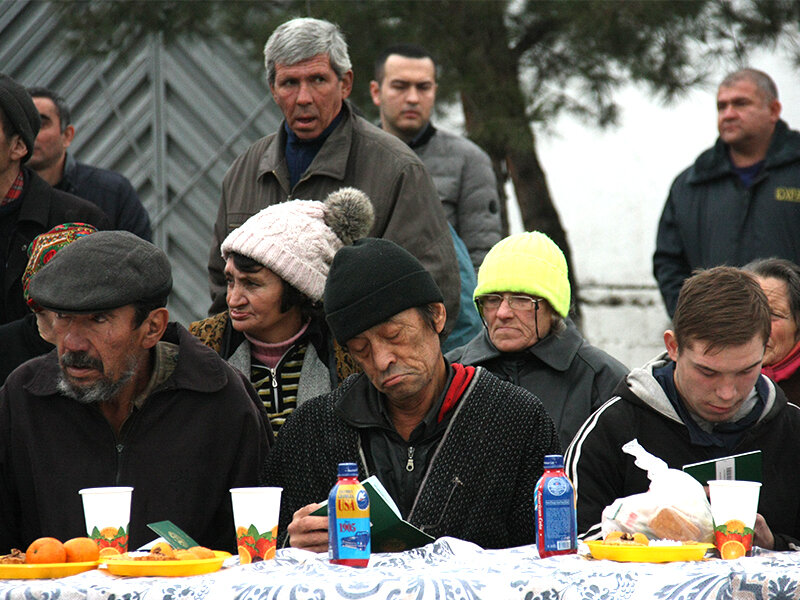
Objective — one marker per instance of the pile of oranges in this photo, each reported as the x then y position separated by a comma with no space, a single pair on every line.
48,550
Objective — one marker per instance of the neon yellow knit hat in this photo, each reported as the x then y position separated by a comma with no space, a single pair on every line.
529,263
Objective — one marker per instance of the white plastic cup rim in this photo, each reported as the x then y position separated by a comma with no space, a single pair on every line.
106,490
255,490
734,483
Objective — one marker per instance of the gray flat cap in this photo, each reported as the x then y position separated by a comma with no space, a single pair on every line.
100,272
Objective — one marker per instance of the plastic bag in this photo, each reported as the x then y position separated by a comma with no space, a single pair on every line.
675,507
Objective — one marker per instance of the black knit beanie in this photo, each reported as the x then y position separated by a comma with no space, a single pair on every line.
370,282
17,104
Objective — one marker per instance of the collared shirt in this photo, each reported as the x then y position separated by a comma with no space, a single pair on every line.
165,359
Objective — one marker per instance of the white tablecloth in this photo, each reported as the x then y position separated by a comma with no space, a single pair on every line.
448,569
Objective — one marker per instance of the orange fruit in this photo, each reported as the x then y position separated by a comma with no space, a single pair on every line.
109,551
45,550
270,553
735,526
81,549
241,531
732,549
109,532
202,552
244,556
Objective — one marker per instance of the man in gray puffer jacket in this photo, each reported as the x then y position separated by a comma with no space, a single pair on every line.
404,89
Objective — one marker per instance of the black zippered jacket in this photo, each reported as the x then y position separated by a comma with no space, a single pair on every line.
711,219
601,472
479,484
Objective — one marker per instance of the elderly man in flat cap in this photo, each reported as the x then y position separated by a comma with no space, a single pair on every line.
28,205
458,450
126,398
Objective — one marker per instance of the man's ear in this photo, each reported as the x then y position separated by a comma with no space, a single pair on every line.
375,92
17,148
347,84
671,342
68,135
775,110
439,316
154,326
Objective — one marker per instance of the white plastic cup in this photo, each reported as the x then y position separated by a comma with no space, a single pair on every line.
106,508
256,511
733,499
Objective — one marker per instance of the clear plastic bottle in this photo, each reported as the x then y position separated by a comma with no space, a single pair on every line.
348,519
556,518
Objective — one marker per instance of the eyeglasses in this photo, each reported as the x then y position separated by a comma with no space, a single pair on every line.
492,302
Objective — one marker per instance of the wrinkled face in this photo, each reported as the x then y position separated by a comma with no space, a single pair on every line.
714,385
401,356
254,301
744,116
98,353
515,329
406,95
51,143
310,94
784,333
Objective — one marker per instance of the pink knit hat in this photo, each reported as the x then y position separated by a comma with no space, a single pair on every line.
296,240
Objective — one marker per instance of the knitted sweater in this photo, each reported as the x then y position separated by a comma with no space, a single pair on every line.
479,485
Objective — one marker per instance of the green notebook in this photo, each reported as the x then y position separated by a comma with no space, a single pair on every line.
389,532
743,467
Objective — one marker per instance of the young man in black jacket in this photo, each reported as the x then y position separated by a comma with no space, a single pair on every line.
705,398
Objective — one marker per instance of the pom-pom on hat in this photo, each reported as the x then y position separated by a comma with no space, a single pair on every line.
44,247
370,282
529,263
17,104
297,240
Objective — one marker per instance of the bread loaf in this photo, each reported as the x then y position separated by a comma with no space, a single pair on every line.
671,524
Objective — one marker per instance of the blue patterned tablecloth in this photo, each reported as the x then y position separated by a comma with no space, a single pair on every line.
448,569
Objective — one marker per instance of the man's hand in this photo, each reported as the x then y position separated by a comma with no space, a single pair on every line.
309,533
762,535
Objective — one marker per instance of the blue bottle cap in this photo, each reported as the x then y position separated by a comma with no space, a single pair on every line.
552,461
348,470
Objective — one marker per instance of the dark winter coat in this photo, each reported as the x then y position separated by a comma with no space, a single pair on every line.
601,472
569,376
464,179
357,154
489,459
197,435
110,191
711,219
42,209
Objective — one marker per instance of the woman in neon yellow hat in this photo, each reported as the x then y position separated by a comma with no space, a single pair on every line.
523,297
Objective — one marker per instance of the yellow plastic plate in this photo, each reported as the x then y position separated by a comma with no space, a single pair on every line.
648,554
166,568
45,570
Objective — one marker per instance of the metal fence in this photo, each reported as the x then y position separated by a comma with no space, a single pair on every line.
171,118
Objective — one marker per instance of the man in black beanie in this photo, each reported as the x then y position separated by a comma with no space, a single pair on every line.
458,450
28,205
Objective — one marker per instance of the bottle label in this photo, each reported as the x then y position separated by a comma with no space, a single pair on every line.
348,528
556,517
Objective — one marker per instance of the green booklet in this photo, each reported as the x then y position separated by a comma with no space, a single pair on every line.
173,535
389,532
744,467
